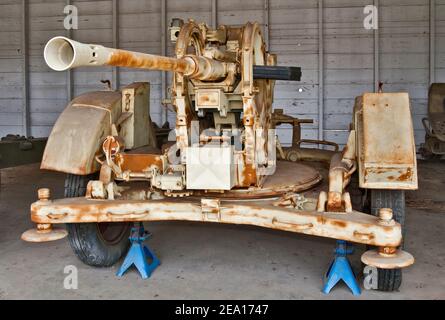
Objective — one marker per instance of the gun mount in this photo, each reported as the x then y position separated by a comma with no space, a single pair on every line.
223,79
223,158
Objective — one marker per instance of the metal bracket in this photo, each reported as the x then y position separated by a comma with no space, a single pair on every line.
210,209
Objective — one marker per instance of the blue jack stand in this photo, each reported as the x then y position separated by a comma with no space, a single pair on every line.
340,269
139,254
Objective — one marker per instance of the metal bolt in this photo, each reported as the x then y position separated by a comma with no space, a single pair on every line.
387,251
44,227
385,216
43,194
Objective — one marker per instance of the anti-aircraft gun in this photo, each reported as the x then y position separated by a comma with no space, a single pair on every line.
223,79
223,163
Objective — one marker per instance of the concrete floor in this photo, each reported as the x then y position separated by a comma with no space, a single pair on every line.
209,261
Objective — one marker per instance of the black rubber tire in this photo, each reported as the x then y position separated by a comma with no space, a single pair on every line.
389,279
87,239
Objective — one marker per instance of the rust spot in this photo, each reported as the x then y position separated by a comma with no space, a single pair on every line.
248,175
335,202
336,209
340,224
138,162
321,220
208,98
83,211
123,58
203,98
407,176
387,250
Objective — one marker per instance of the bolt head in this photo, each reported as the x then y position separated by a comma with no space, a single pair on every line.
385,214
44,227
43,193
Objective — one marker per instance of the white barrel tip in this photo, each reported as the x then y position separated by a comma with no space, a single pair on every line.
59,53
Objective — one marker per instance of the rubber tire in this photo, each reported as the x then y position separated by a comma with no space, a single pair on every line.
389,279
85,239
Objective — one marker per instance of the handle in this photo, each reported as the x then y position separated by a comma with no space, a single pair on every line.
296,226
327,143
363,236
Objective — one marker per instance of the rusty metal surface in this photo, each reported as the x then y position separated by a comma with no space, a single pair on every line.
196,68
139,162
36,235
354,226
397,259
385,141
283,181
295,154
135,126
213,78
122,58
77,135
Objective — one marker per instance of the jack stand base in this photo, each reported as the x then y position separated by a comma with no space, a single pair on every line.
139,254
399,259
340,269
51,234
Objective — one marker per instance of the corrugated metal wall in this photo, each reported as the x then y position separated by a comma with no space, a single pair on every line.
325,37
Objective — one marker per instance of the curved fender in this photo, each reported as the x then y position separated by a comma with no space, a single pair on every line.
76,137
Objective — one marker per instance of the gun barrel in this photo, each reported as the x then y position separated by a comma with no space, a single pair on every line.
62,54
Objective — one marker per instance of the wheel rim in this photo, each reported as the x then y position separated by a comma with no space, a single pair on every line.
112,232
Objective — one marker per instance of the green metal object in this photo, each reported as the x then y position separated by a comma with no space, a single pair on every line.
17,150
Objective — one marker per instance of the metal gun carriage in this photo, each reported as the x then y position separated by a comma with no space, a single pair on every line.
226,164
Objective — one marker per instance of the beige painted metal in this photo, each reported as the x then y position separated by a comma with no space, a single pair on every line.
212,99
210,168
44,231
219,79
63,54
355,226
78,133
283,181
398,259
36,235
307,154
340,172
136,129
213,73
296,152
385,141
81,129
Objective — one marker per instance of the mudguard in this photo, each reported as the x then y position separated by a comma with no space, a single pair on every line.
77,135
386,150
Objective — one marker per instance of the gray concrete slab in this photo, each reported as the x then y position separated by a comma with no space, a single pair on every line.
209,261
